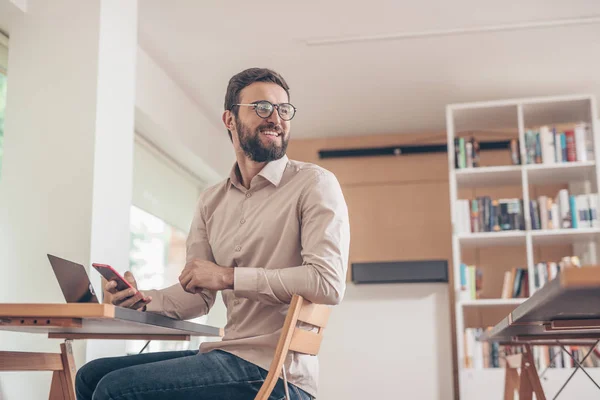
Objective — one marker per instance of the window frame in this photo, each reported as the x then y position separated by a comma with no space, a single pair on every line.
3,54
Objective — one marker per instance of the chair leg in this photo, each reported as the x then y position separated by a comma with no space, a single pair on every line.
57,388
285,384
69,371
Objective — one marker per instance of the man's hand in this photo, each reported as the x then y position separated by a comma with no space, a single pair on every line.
202,274
128,298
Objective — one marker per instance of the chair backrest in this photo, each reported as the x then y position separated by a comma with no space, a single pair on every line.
296,339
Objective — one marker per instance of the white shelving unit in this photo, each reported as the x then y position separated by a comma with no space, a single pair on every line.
518,114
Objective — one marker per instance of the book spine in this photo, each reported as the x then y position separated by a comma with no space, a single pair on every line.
542,203
563,147
469,154
583,210
538,149
474,216
574,212
496,216
547,145
555,216
593,202
564,208
557,146
571,148
580,142
535,216
514,152
462,155
589,142
475,151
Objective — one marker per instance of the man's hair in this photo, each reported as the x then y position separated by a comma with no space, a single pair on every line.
245,78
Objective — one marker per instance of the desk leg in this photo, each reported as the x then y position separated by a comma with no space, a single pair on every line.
63,382
511,383
530,381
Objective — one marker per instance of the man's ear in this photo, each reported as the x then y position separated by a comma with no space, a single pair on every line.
228,120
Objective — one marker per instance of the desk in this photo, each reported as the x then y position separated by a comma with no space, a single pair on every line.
566,311
83,321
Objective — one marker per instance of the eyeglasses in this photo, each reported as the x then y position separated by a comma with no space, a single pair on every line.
264,109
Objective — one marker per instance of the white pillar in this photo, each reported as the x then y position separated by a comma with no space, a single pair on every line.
66,178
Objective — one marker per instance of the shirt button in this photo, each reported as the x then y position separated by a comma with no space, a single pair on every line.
248,195
242,221
238,248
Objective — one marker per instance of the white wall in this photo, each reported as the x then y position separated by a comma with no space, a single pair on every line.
167,117
388,341
66,178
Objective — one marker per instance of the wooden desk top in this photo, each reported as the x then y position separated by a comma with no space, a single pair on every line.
87,321
572,298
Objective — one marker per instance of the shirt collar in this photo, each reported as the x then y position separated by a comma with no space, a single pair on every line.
273,172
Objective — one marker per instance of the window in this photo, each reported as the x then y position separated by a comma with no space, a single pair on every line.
164,200
156,258
3,79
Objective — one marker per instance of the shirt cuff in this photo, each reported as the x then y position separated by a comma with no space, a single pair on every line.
154,305
245,282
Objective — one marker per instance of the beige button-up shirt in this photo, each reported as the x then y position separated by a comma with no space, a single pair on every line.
288,234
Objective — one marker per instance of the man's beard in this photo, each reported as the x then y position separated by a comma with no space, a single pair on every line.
252,144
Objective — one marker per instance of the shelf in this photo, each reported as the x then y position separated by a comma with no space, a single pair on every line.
557,110
484,313
491,302
505,238
560,172
564,236
505,175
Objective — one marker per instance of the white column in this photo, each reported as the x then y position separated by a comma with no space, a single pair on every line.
66,179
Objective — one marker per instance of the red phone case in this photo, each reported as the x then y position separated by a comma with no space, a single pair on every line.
110,274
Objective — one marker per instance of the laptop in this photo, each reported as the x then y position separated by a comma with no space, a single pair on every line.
73,280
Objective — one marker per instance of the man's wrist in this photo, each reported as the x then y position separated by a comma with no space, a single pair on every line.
228,277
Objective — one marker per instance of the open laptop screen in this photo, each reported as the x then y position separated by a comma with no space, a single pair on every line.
73,280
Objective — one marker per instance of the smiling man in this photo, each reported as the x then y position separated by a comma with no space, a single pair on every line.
274,228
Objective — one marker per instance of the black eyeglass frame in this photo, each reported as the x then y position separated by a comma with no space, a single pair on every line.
273,107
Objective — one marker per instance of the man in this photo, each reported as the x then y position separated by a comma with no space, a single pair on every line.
274,228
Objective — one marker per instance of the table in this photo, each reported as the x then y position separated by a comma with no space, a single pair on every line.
84,321
565,312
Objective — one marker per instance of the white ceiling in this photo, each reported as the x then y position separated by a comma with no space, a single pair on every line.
374,87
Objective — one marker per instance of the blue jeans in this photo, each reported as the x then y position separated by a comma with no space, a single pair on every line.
176,375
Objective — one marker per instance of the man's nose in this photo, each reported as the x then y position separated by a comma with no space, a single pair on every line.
274,117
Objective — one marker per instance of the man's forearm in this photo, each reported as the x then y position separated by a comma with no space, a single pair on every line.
317,284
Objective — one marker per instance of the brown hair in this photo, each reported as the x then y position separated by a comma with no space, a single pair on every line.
245,78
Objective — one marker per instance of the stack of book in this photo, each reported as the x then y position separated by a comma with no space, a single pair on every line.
480,354
565,211
544,272
550,145
483,214
471,282
466,153
516,284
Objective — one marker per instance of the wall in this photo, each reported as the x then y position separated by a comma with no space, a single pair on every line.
388,342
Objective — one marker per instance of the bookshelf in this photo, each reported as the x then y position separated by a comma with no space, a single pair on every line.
532,179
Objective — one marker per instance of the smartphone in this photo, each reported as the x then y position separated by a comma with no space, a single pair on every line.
110,274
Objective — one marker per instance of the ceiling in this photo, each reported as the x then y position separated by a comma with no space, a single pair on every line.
375,86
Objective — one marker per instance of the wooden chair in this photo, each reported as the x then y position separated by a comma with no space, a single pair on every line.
295,339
